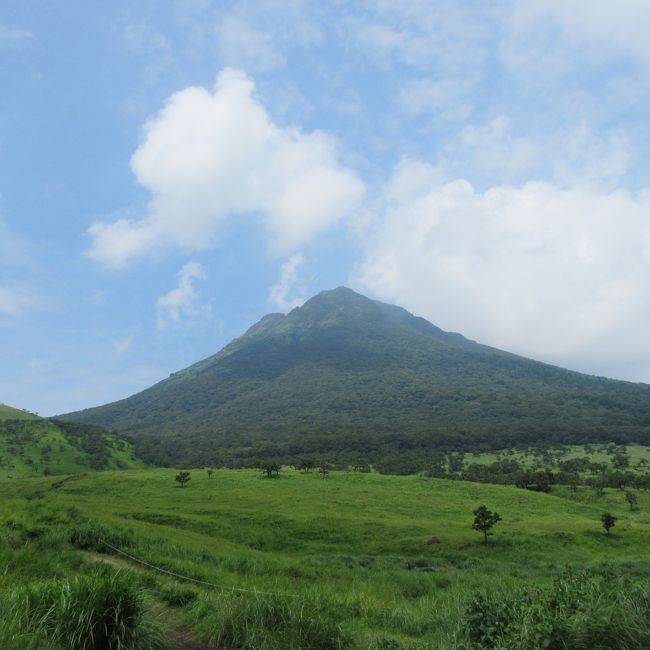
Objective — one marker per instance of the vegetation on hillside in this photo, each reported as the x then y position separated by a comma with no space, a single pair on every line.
33,445
344,377
538,469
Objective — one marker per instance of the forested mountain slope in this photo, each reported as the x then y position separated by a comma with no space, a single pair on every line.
344,377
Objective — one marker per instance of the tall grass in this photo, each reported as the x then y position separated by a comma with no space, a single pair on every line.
261,622
102,611
584,610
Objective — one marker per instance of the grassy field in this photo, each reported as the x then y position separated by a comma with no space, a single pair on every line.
306,561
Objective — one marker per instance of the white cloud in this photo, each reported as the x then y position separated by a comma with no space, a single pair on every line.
16,300
182,301
543,33
144,41
256,36
549,272
574,155
14,249
289,282
12,37
243,45
122,345
208,155
445,36
447,96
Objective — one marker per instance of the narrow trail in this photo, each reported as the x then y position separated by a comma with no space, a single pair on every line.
181,636
184,640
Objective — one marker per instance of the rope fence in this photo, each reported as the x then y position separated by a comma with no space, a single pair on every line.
188,578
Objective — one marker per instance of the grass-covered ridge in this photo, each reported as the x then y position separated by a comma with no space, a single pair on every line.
31,445
319,562
11,413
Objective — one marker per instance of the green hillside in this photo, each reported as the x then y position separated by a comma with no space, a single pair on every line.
11,413
344,377
30,445
305,562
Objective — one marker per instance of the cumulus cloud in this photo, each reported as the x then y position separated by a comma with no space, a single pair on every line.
547,271
181,302
208,155
289,282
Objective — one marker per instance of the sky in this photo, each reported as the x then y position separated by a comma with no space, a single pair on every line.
172,171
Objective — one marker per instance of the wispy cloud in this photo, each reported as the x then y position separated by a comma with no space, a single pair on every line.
181,302
16,300
12,37
290,282
123,344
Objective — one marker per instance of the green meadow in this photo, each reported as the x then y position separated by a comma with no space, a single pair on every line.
306,561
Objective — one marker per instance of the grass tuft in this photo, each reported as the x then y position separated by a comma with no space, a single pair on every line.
102,611
250,622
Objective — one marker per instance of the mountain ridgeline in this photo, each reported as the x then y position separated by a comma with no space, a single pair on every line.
345,378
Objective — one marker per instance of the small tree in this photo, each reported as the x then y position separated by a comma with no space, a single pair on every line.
270,469
608,520
598,483
210,473
306,465
631,498
183,477
484,520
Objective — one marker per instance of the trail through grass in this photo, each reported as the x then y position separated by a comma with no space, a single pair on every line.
343,561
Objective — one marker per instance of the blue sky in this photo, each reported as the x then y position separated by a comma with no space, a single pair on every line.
172,171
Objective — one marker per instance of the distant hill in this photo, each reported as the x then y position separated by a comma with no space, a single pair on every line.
11,413
33,445
346,377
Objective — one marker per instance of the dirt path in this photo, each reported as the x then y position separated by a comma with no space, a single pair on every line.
184,640
181,636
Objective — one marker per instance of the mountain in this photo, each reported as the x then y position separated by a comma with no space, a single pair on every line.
345,377
33,445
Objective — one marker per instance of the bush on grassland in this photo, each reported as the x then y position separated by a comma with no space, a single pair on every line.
584,610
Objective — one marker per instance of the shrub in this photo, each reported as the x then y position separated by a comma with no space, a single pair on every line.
91,537
584,610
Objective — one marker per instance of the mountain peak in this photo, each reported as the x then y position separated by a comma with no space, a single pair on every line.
344,374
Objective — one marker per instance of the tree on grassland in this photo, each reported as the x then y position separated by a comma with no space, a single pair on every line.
631,498
183,478
484,520
608,521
